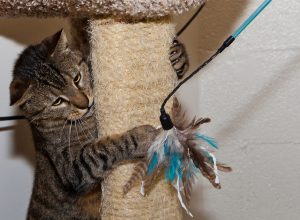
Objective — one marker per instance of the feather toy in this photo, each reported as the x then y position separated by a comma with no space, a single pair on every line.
181,154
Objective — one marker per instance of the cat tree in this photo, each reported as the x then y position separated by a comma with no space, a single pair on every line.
130,42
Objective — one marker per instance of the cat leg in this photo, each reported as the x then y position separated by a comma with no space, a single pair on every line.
82,171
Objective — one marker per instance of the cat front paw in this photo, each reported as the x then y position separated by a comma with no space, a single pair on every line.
144,136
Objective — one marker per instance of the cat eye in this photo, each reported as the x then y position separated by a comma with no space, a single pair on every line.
77,78
58,102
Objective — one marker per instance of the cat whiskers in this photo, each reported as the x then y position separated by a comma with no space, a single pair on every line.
77,131
85,123
82,129
33,118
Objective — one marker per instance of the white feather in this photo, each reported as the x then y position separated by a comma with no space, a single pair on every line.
180,198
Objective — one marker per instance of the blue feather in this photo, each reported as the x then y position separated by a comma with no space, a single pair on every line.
209,140
174,168
171,173
153,163
179,171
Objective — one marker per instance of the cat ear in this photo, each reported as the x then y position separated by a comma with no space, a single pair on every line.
56,43
17,89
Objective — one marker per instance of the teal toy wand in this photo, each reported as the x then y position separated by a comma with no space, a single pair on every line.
251,18
165,118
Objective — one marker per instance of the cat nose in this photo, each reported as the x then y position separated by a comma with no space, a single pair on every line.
79,100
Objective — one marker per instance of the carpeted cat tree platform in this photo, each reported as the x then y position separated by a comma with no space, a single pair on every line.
130,41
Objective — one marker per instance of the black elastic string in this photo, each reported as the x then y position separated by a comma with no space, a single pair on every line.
165,118
186,79
9,118
190,20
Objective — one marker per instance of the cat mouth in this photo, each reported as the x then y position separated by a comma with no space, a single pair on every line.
90,110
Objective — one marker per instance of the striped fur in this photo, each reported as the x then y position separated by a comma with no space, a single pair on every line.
70,161
179,58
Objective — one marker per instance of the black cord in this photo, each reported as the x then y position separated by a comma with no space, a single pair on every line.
8,118
186,79
165,118
190,20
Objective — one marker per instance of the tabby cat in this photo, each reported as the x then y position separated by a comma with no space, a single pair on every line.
51,85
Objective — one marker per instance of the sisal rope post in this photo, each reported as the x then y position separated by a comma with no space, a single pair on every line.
132,76
132,73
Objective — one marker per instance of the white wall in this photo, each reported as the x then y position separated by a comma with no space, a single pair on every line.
250,92
16,177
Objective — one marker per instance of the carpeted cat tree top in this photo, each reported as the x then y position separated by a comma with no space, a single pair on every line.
92,8
130,41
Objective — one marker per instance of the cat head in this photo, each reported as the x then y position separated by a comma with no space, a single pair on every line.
51,81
